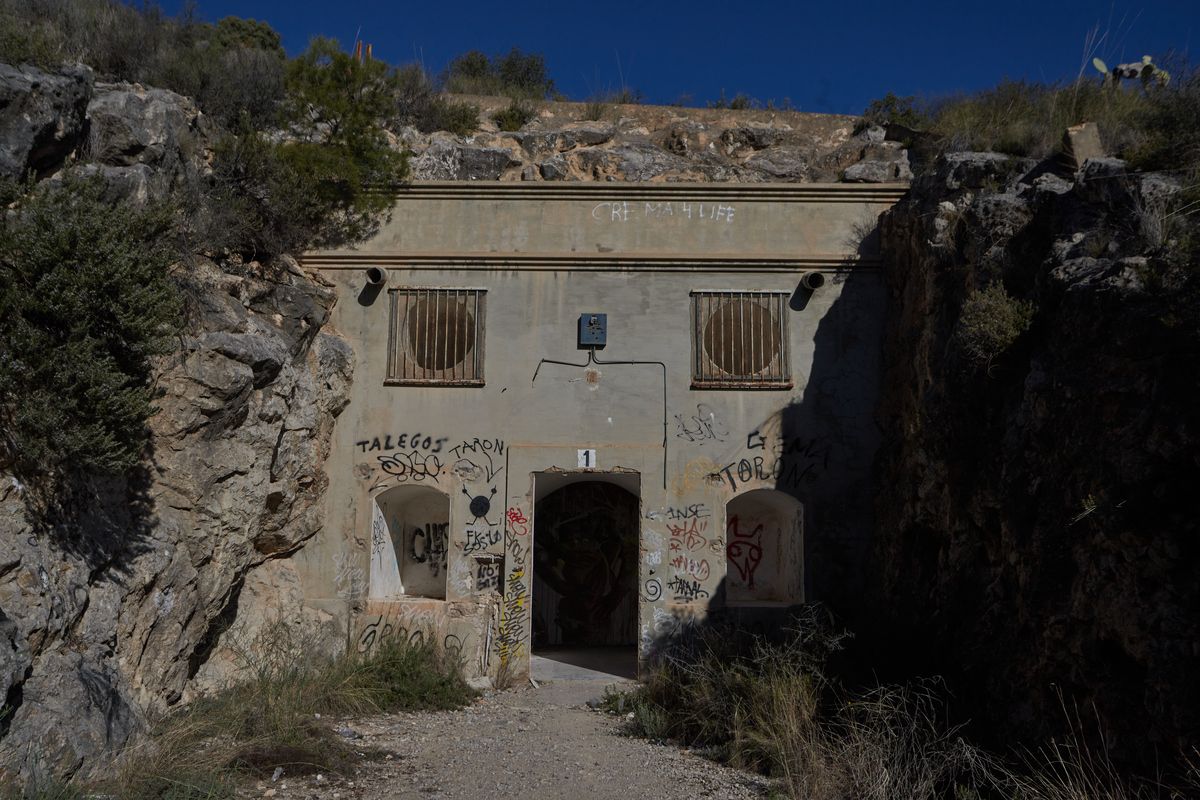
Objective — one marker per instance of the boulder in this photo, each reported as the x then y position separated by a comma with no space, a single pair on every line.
130,124
786,162
447,159
41,117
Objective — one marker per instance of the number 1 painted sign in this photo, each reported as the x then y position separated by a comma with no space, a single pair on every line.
587,459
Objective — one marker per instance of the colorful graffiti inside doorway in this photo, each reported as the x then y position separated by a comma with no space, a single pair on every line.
585,566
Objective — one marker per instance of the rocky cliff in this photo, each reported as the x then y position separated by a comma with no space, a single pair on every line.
111,604
1037,519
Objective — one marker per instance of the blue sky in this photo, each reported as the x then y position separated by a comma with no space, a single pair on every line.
824,56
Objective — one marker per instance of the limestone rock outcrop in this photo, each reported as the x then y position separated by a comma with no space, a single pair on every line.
656,143
109,614
42,117
1037,526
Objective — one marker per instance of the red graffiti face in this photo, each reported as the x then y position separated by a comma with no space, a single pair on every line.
744,550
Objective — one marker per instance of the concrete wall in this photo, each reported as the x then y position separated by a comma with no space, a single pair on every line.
545,255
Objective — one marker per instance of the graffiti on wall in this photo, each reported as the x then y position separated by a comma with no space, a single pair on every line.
688,549
626,211
787,471
488,575
702,427
481,539
427,544
511,636
688,535
404,441
663,626
512,627
485,457
415,625
744,549
517,523
686,590
406,457
349,580
479,460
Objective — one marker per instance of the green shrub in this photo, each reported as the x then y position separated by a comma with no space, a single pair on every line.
990,322
445,114
419,104
601,104
739,102
85,302
596,109
517,74
230,84
314,189
236,33
514,116
1029,119
894,110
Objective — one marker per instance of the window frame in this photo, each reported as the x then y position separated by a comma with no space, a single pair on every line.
707,374
398,369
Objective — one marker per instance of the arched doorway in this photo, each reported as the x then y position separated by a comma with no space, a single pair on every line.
585,551
409,543
764,549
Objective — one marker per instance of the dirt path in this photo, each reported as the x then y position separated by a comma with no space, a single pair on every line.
529,743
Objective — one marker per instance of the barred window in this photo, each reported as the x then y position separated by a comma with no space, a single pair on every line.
740,340
436,337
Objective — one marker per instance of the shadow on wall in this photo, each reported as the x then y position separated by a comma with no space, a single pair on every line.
819,454
829,438
103,521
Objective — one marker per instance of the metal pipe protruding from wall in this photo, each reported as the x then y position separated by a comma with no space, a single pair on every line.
376,276
812,281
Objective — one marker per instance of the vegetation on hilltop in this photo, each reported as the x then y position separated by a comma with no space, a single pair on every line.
85,295
516,74
1154,127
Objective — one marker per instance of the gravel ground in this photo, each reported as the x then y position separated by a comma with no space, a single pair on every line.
530,743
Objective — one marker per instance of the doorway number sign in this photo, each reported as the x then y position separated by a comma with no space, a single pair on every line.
587,459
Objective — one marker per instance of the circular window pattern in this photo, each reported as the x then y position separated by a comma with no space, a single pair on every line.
741,337
441,332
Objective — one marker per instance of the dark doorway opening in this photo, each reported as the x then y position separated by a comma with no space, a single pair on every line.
585,556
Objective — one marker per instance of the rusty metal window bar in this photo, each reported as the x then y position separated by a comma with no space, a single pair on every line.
740,340
435,337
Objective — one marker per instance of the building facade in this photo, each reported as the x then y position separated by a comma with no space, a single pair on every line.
585,414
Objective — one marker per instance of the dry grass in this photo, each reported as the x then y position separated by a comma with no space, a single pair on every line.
279,715
771,707
1078,767
1154,129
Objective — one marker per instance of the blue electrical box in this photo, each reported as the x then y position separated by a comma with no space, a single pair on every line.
593,330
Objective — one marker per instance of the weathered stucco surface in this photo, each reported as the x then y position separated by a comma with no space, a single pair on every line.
635,253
